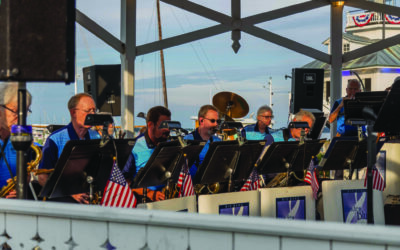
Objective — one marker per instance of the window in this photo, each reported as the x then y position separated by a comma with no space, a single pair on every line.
327,90
367,84
346,47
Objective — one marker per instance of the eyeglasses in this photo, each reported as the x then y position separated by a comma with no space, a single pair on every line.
94,111
267,116
15,112
218,121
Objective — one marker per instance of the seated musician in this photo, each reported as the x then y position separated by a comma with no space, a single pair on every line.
9,117
144,147
79,106
337,112
294,134
260,130
208,122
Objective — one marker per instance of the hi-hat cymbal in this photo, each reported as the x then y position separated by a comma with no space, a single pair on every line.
231,104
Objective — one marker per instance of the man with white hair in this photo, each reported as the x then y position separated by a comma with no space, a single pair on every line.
9,117
293,134
260,130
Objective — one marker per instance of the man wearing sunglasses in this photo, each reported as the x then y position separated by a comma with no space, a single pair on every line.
260,130
79,106
8,117
208,125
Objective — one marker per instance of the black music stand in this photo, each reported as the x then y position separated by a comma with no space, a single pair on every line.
249,154
289,156
318,127
340,154
388,121
160,166
81,159
219,163
353,109
190,152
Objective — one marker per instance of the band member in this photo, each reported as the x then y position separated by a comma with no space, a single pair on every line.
144,147
79,106
9,117
208,122
337,112
293,134
260,130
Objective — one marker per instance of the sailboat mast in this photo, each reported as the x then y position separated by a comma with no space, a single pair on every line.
164,82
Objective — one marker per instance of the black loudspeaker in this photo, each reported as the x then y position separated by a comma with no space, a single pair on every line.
307,89
103,82
37,40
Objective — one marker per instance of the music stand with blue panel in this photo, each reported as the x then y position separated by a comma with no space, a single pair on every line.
293,203
237,203
346,201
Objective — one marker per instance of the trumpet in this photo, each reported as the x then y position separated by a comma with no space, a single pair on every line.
31,166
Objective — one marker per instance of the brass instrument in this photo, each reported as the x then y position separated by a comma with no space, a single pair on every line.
280,180
31,166
212,188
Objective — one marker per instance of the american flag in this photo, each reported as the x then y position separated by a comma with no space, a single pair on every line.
185,181
311,178
378,182
117,192
252,183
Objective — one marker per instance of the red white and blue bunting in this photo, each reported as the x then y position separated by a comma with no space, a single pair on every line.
363,19
392,19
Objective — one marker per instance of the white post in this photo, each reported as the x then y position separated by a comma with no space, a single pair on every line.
128,37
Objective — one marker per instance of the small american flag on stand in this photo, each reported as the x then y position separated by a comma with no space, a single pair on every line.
252,183
117,192
185,181
378,182
311,178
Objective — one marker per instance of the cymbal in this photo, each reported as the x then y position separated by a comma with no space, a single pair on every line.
231,104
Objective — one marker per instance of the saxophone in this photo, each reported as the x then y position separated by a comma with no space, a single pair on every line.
31,166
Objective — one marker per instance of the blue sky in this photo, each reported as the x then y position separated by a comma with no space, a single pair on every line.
196,71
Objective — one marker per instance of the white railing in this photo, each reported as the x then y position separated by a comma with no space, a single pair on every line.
376,19
29,224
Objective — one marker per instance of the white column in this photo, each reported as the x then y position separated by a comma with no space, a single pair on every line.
336,55
128,37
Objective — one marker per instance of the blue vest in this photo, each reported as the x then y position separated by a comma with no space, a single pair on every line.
11,157
196,136
55,144
141,152
278,136
251,132
342,128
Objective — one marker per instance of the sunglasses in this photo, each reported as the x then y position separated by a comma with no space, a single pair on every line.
218,121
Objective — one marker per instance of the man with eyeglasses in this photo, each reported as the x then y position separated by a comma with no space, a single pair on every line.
208,123
79,106
8,117
294,134
144,148
260,130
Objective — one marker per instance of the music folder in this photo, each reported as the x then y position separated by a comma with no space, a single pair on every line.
219,162
81,159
